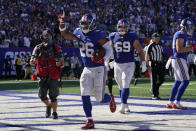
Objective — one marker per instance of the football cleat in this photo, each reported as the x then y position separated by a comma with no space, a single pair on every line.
127,108
112,104
48,111
178,106
89,125
169,106
122,109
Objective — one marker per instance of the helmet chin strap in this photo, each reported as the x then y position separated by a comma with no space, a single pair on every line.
86,31
122,33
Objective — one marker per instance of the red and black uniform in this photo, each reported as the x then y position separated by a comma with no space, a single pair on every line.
47,70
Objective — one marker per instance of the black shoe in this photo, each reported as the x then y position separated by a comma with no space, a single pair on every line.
48,111
135,82
55,115
156,98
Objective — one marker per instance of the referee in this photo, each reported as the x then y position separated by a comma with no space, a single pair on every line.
154,62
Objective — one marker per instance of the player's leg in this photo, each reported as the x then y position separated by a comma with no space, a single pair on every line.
43,88
53,94
137,71
178,79
184,83
154,81
118,77
99,87
160,76
110,80
128,71
86,86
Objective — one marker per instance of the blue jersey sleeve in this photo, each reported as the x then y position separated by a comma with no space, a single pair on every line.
102,34
135,36
180,35
111,36
76,32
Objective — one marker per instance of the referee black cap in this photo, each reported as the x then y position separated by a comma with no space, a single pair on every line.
155,35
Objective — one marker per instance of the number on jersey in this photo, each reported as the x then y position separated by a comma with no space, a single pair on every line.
86,50
122,46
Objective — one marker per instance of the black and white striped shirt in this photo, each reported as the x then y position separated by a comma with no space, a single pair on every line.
155,52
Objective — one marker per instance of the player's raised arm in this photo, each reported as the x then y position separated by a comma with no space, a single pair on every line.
63,29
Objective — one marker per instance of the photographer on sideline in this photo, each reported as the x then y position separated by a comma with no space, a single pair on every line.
48,58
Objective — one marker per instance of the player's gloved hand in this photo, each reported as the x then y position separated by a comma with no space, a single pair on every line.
194,60
97,57
61,18
194,47
144,66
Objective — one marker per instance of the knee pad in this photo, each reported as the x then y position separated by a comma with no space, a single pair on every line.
53,98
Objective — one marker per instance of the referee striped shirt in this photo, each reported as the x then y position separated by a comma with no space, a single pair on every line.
155,52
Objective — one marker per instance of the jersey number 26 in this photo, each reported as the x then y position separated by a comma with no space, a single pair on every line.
86,50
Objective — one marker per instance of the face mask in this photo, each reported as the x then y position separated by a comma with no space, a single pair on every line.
85,31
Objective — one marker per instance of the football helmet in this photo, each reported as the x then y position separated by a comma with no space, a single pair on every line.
122,26
87,23
188,25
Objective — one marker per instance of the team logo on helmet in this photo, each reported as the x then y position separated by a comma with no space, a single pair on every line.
122,26
87,23
188,25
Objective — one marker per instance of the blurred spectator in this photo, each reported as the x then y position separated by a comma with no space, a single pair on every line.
75,65
22,21
8,65
66,69
18,67
28,67
191,65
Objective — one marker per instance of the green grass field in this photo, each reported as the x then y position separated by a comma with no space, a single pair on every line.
141,89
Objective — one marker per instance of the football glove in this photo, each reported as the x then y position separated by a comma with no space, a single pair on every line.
61,18
98,56
194,46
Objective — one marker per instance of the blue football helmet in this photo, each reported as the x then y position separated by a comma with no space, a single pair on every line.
122,26
87,23
188,25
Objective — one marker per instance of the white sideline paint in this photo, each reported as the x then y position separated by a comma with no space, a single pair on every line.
24,111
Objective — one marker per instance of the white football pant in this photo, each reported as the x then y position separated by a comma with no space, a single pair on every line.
180,69
123,74
93,78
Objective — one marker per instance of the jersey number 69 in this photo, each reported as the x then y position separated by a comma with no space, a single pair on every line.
122,46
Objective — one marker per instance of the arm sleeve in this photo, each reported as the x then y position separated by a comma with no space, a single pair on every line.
108,52
34,53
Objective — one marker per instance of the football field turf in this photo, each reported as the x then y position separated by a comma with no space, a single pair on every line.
142,89
21,109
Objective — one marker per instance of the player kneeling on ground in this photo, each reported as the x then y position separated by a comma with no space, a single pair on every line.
48,58
92,42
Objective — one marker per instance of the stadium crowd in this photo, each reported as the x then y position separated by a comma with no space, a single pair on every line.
22,21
